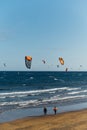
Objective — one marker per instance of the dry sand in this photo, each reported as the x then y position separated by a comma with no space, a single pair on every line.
66,121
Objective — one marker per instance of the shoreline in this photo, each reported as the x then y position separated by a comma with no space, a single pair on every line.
74,120
15,114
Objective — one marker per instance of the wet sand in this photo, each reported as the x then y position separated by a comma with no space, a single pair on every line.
76,120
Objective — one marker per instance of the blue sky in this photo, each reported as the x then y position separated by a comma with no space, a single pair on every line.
43,29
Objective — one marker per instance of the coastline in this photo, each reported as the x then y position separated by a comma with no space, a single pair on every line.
74,120
16,114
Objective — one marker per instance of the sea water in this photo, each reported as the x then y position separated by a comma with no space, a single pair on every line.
20,90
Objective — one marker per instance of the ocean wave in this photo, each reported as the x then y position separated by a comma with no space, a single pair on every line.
70,89
55,79
12,96
31,78
42,101
36,92
19,103
77,92
52,99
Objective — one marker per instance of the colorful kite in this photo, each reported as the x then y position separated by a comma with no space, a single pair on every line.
28,60
61,60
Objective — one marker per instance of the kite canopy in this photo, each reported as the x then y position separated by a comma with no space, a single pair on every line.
4,64
61,60
57,65
44,61
80,65
28,60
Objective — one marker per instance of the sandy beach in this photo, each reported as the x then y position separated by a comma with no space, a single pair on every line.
76,120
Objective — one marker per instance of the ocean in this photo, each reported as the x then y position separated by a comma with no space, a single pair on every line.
29,90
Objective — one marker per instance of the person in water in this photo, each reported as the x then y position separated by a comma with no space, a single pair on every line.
45,110
55,110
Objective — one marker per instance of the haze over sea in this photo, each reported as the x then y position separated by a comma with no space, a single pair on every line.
32,90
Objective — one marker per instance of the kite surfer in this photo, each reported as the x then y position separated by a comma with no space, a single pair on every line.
55,110
45,110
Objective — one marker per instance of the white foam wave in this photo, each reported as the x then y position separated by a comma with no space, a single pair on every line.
36,92
77,92
55,79
70,89
42,101
12,96
31,78
3,97
63,98
21,103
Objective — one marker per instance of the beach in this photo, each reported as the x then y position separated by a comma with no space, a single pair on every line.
23,98
74,120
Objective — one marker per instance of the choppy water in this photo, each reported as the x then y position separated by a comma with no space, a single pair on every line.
34,89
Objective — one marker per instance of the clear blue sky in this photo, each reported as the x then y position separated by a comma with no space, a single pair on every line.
43,29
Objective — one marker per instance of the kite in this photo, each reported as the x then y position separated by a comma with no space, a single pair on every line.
28,60
4,64
44,61
66,69
80,65
61,60
57,65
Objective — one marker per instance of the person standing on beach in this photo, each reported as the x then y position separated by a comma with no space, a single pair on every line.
45,110
55,110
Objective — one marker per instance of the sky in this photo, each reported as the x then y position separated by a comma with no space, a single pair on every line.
43,29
